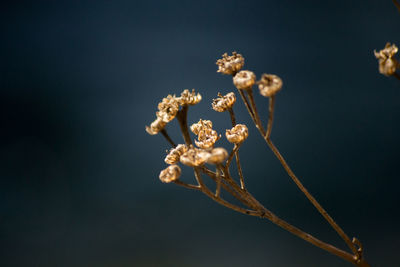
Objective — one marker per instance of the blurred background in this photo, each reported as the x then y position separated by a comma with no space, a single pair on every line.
79,81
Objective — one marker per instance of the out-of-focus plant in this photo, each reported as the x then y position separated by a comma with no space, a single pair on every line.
214,163
388,64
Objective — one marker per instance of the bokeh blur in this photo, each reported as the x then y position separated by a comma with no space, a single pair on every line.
79,80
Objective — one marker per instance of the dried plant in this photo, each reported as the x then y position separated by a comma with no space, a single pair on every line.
388,64
215,163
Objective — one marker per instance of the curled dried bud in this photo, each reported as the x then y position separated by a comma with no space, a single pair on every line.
230,64
244,80
217,155
207,138
269,84
194,157
175,153
237,134
201,125
168,108
170,174
189,98
387,63
223,103
156,126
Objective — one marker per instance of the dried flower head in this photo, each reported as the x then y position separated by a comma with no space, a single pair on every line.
156,126
189,98
230,64
269,84
175,154
244,80
223,103
170,174
201,125
237,134
217,155
207,138
387,63
194,157
168,108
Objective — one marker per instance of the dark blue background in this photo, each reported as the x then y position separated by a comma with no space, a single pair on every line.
79,175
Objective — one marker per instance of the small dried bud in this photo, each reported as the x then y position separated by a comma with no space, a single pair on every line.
244,80
207,138
189,98
194,157
387,63
230,64
201,125
269,84
156,126
217,155
170,174
223,103
175,154
168,108
237,134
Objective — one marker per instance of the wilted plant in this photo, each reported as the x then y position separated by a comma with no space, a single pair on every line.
205,155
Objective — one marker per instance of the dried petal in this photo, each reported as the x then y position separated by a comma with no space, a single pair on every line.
156,126
201,125
244,80
189,98
194,157
217,155
170,174
237,134
223,103
230,64
175,154
207,138
269,84
168,108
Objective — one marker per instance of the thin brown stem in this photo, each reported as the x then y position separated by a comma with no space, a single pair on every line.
182,119
166,136
189,186
218,188
247,104
255,112
233,152
270,116
232,116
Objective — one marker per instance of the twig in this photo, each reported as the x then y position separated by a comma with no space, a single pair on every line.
165,134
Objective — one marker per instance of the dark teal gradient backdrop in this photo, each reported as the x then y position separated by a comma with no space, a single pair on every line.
79,174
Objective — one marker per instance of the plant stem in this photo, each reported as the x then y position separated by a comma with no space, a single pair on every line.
396,75
182,119
165,134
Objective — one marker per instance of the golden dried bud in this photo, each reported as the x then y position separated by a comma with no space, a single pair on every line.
156,126
230,64
189,98
223,103
387,63
207,138
201,125
269,84
237,134
244,80
175,154
194,157
170,174
168,108
217,155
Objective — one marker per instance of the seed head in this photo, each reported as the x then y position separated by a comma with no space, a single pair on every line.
201,125
237,134
217,155
168,108
269,84
156,126
387,63
244,80
194,157
170,174
207,138
175,154
223,103
230,64
189,98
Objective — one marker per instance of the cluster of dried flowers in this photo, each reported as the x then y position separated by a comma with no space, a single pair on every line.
214,162
388,64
